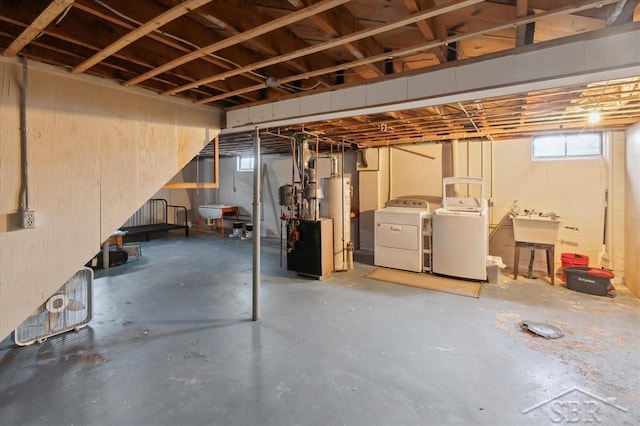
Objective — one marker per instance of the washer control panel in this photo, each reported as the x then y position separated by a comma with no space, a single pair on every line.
409,202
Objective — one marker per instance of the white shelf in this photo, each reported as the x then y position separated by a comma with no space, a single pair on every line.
427,254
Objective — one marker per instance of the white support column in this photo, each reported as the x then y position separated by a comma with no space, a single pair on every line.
257,201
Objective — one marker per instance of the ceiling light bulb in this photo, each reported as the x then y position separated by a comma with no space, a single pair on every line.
594,116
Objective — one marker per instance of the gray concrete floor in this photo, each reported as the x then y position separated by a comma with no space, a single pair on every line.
171,344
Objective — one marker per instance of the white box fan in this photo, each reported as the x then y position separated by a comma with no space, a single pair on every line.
68,309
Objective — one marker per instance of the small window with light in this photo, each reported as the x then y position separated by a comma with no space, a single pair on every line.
566,146
245,163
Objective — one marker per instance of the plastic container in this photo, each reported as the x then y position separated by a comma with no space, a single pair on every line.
589,280
494,264
133,250
493,274
572,259
237,230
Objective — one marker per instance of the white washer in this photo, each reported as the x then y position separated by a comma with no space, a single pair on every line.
461,233
399,240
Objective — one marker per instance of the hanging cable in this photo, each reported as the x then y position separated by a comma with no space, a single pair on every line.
62,16
181,40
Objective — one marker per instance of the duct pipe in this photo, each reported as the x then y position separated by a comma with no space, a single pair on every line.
363,158
256,226
335,165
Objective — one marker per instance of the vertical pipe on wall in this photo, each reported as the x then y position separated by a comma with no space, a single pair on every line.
491,169
468,164
390,190
256,226
482,157
455,154
24,201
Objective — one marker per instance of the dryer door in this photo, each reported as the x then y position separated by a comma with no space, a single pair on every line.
398,236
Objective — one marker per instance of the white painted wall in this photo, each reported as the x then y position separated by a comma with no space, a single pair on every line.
616,227
574,189
415,176
373,193
197,170
97,151
632,210
236,188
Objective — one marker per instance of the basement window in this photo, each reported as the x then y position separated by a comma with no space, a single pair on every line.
571,145
245,163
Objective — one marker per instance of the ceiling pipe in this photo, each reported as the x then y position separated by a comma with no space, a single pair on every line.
616,13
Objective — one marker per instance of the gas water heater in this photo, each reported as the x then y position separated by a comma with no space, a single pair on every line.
337,206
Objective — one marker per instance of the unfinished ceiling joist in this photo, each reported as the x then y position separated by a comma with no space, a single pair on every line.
342,67
512,72
239,38
42,21
140,32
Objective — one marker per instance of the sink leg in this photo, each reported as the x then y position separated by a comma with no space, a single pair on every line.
531,258
550,264
516,260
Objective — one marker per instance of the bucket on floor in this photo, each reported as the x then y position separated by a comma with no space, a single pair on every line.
589,280
572,259
248,230
237,230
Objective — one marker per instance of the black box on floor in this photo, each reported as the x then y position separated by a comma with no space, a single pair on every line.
588,280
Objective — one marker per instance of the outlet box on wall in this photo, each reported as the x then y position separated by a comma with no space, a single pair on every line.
28,219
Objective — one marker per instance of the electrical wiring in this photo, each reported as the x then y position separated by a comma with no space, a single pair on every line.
62,15
190,44
176,38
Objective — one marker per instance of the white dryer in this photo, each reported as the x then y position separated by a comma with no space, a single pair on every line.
399,237
461,231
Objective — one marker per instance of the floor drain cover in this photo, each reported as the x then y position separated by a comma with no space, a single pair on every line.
541,329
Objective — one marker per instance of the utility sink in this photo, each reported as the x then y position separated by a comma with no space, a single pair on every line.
536,229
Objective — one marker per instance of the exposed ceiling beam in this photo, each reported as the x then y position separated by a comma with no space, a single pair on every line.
428,33
419,48
231,21
449,7
242,37
45,18
164,39
140,32
522,9
334,23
